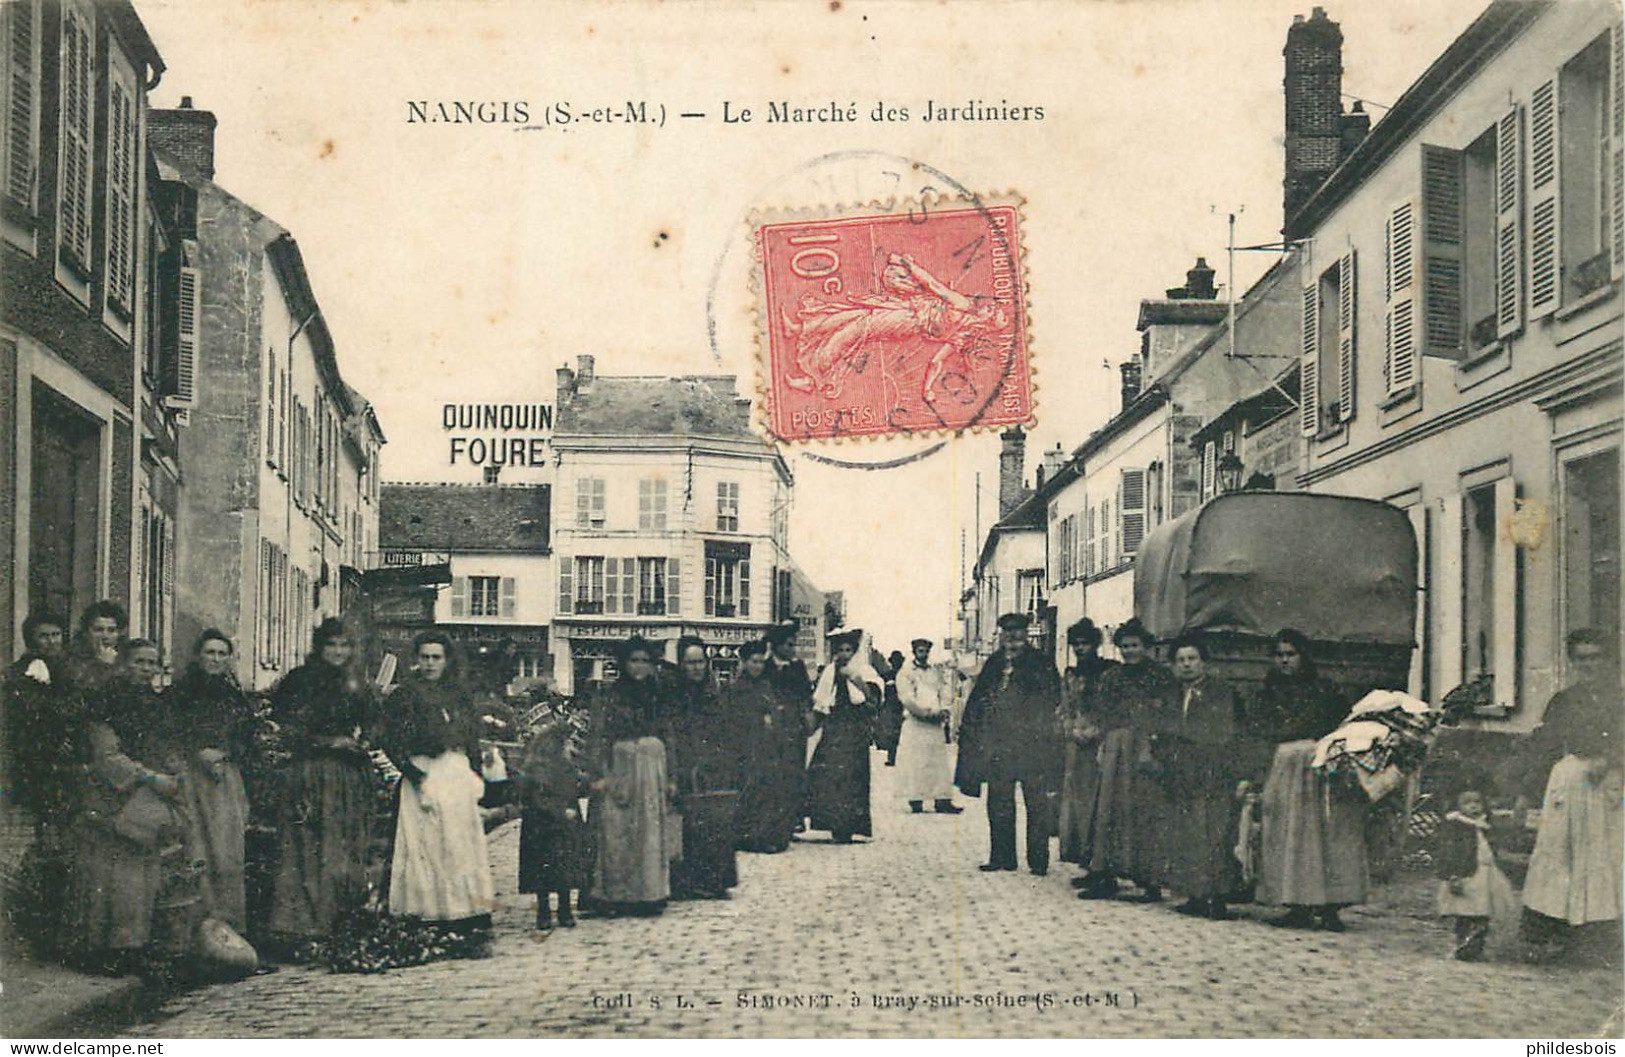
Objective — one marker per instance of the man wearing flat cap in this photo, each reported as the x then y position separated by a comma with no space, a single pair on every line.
1008,737
922,754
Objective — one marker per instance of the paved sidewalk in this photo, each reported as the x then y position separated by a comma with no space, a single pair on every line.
903,936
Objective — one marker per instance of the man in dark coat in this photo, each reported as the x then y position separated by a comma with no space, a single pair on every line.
792,689
1008,736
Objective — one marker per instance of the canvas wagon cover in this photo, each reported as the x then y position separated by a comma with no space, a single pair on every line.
1336,568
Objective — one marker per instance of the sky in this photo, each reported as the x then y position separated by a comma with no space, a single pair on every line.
465,262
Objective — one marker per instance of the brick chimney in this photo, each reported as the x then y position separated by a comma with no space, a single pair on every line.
584,373
185,134
1131,380
1012,468
1054,459
565,388
1314,106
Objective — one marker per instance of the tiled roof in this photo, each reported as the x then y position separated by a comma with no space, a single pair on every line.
461,518
690,406
1185,311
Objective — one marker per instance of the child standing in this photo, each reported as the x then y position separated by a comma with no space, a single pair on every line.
1472,888
551,830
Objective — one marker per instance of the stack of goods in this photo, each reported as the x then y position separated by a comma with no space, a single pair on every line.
1384,740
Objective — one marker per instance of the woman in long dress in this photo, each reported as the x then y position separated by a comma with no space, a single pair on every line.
1130,806
1573,888
844,703
440,875
1081,724
637,834
128,837
775,735
1196,753
210,720
325,822
1313,850
707,744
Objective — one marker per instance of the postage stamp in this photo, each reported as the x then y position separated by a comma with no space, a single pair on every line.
906,318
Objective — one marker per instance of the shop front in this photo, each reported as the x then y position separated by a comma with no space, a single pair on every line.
591,651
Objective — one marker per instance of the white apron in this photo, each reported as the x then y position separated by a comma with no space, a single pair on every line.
441,870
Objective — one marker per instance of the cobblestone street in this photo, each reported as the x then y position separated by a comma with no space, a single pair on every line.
903,937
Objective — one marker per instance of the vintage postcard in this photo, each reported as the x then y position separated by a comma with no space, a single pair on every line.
839,519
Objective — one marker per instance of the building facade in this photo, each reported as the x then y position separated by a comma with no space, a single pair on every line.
281,455
87,404
497,603
1460,342
674,519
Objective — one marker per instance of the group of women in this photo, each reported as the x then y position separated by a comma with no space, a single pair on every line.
1161,760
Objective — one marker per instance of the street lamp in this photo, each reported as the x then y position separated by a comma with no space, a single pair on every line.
1229,472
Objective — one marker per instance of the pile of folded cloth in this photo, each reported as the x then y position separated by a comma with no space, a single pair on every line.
1384,740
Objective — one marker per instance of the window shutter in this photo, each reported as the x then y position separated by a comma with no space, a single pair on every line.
1210,462
674,587
190,312
459,596
1544,254
1442,180
1308,370
612,585
122,148
567,595
1089,541
1108,557
1616,153
22,63
1508,219
710,587
1504,648
1346,312
74,180
629,585
583,502
744,588
1399,272
1131,509
509,603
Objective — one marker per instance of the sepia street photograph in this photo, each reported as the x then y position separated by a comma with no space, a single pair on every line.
811,519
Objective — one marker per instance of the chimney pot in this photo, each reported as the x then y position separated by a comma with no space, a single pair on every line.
186,102
584,371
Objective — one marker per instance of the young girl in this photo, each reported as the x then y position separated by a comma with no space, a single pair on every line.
551,832
1472,889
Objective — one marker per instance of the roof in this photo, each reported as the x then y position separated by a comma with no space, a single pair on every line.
1029,515
1261,406
1500,23
458,518
1184,310
695,405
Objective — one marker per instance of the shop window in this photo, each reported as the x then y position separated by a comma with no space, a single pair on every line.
1591,544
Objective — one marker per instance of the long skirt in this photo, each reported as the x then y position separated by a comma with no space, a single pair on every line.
552,848
322,843
1313,844
637,834
770,804
1079,791
216,808
1574,872
1199,844
838,777
708,866
1130,810
922,761
113,892
441,870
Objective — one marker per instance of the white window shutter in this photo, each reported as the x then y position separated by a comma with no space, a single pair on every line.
1131,509
509,603
1443,187
22,104
1308,369
674,586
1089,558
1508,224
744,588
1616,153
1399,270
1545,256
190,318
1346,311
1210,463
459,596
1504,648
567,595
583,502
612,585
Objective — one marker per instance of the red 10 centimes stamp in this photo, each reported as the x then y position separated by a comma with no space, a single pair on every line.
901,320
